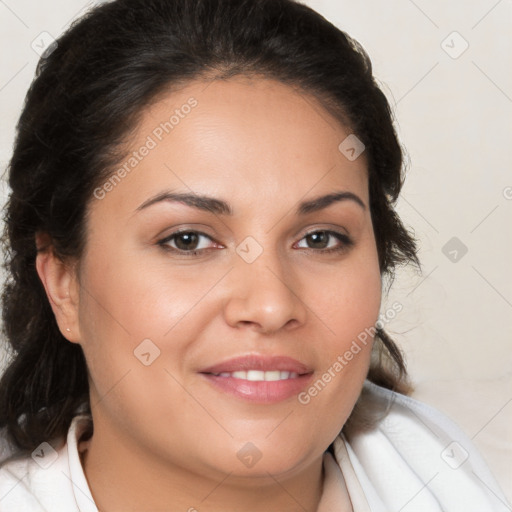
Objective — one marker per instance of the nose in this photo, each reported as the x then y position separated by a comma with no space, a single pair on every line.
264,296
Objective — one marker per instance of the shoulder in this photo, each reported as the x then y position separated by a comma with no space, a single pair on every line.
416,459
49,479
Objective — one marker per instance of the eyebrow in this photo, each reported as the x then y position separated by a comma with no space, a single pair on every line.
220,207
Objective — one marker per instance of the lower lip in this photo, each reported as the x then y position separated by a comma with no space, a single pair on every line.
262,392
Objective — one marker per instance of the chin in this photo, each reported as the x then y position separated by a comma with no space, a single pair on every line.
260,459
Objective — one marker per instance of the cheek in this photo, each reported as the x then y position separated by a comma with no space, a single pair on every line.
351,305
347,299
130,298
349,314
348,308
125,301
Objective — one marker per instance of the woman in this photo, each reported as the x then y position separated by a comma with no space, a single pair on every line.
200,224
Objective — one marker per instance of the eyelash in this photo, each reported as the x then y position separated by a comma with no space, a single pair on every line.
346,242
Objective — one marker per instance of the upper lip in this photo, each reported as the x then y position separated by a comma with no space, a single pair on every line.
259,362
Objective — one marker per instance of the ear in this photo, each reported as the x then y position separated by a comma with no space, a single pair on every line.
61,284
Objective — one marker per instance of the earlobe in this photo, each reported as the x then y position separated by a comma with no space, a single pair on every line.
60,284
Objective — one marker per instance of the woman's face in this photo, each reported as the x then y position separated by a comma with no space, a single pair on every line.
270,276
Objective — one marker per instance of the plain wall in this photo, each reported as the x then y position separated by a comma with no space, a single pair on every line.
454,116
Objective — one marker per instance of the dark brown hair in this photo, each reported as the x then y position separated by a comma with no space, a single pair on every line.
86,99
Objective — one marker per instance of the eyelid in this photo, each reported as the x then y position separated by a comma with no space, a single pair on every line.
164,241
338,230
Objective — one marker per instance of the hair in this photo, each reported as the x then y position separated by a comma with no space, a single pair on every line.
84,103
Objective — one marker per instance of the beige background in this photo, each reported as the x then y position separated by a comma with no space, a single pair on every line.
454,111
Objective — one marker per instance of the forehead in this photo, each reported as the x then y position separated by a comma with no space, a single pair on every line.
243,137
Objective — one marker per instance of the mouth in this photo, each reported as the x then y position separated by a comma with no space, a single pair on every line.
259,379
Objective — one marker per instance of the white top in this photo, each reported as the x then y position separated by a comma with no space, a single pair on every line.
414,460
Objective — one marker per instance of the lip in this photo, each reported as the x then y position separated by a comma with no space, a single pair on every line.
259,362
260,392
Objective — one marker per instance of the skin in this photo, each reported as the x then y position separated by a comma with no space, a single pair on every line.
163,435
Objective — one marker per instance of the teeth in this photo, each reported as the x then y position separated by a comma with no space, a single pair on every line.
274,375
258,375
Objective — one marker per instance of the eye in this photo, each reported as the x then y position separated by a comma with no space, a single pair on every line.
326,241
192,243
187,241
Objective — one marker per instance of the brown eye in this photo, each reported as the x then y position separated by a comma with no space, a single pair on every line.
318,240
326,241
192,242
186,241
